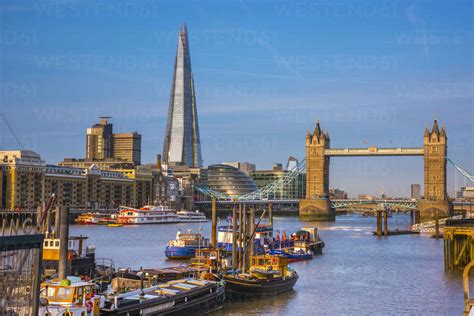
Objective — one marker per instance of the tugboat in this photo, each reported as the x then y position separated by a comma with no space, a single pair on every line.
81,258
71,296
185,245
307,239
268,276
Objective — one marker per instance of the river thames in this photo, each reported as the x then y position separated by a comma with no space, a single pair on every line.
358,274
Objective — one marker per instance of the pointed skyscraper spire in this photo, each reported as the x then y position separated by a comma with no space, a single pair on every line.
182,145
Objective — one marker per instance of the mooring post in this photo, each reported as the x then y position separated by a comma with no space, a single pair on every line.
214,222
417,217
412,219
63,243
251,230
437,224
379,223
239,246
385,223
244,236
234,237
270,214
57,222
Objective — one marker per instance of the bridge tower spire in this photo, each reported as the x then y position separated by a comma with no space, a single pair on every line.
316,205
435,146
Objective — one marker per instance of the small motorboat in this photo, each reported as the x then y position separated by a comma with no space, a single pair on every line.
114,225
292,254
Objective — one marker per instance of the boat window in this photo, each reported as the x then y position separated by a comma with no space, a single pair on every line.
51,243
46,243
57,243
51,293
70,244
63,294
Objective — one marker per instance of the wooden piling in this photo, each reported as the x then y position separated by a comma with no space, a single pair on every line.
270,214
379,223
240,237
63,243
412,218
417,217
57,223
437,224
251,230
244,238
385,223
214,223
234,238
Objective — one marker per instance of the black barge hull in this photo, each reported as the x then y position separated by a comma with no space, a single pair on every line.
204,301
240,290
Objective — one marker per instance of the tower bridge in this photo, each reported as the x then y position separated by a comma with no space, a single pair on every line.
318,206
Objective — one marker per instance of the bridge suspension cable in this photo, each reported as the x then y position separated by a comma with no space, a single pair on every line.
464,172
262,193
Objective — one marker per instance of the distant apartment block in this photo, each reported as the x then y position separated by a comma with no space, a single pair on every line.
103,144
128,147
338,193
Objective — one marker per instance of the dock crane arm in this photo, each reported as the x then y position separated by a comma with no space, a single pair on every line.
11,131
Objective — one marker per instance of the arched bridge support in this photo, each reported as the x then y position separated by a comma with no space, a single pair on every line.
317,210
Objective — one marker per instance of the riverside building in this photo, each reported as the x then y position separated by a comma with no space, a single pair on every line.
26,181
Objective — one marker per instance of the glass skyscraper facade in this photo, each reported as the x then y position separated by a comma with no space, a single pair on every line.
182,145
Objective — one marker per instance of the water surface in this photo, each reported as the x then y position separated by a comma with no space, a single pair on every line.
358,274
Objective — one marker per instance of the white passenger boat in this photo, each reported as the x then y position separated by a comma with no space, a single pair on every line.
191,217
147,215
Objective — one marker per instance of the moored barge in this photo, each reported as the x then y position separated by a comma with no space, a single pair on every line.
268,276
179,297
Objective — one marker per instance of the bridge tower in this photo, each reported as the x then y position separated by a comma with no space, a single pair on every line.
435,145
316,205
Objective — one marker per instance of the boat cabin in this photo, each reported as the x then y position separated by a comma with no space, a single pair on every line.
76,248
311,233
68,298
268,265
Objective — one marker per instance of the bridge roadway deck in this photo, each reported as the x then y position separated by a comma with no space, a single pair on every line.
374,151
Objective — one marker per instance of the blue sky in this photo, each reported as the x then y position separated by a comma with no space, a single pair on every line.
373,72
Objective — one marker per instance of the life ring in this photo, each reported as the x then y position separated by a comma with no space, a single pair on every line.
89,306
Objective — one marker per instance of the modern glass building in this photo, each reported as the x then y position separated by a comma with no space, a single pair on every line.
229,180
182,145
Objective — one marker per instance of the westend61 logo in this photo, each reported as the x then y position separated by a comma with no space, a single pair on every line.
12,225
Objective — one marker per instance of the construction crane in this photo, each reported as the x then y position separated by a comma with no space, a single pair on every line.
11,131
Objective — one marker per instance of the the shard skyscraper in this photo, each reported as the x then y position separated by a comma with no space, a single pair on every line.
182,145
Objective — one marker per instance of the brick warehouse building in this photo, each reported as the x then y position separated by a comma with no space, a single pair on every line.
26,181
